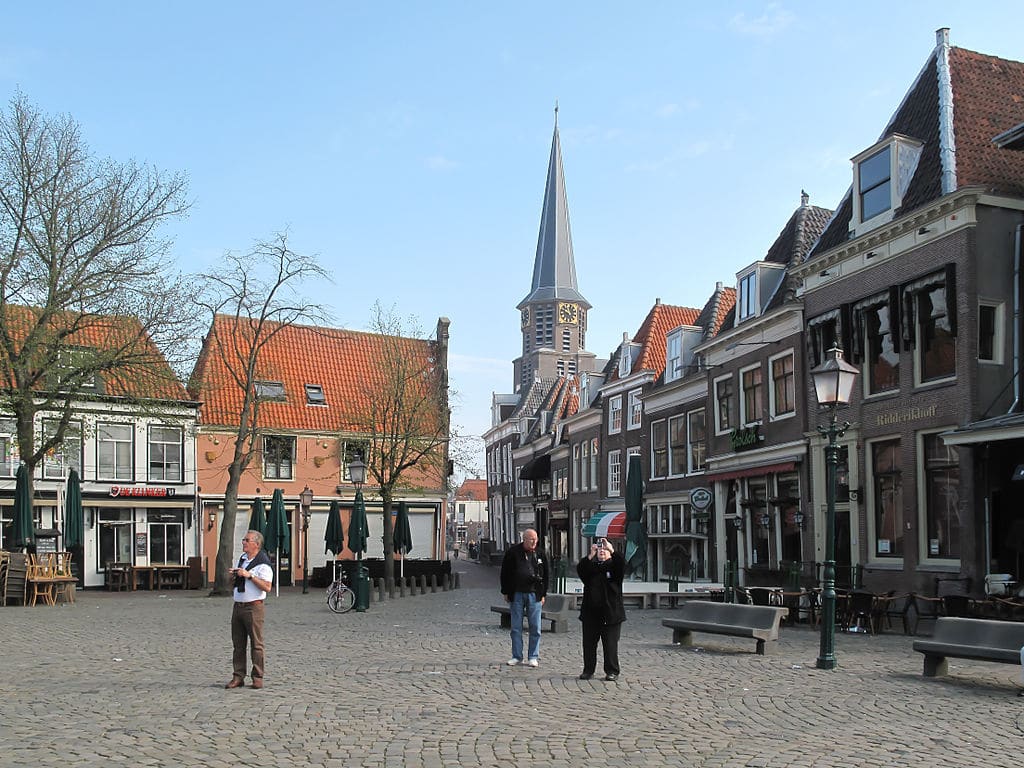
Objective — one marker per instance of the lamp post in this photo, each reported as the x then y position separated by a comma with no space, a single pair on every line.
357,474
306,500
833,384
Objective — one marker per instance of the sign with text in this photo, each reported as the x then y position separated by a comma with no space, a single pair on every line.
700,499
137,492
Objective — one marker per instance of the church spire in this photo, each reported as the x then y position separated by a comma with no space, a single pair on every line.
554,268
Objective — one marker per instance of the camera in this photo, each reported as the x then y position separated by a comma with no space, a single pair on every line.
601,542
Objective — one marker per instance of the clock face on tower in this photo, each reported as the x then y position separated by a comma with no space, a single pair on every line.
568,313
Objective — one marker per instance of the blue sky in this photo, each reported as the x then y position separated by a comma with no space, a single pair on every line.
406,144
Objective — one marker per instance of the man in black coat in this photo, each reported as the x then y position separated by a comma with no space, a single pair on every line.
602,612
524,583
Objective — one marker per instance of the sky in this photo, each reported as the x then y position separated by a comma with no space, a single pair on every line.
405,144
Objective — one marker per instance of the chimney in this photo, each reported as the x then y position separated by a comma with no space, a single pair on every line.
804,199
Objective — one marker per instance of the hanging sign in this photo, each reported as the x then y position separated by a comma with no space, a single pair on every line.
700,499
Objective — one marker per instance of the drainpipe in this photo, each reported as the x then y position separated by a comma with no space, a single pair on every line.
1018,323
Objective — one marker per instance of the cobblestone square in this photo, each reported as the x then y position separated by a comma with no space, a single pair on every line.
136,679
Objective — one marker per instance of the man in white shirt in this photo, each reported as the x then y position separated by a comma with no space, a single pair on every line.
254,577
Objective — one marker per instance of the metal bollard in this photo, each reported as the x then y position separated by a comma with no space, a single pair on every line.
433,583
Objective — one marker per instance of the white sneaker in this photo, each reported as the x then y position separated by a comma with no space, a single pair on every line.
513,662
533,663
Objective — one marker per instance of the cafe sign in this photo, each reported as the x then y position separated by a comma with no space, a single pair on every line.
700,499
136,492
748,437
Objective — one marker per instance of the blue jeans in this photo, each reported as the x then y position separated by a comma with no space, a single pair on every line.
525,601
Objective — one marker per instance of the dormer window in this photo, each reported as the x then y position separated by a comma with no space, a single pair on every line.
674,356
625,360
746,302
755,287
881,175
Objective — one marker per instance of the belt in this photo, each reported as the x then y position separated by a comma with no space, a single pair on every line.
248,602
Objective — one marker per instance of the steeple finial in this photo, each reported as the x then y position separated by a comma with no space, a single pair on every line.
556,113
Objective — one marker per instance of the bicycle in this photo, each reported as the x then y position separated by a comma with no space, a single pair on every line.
340,597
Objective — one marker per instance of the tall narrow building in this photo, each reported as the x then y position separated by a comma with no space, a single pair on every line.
554,312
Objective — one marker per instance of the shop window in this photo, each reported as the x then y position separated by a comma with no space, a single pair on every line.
887,498
942,497
166,537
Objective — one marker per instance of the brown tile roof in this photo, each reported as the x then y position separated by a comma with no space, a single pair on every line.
142,371
988,99
346,364
652,334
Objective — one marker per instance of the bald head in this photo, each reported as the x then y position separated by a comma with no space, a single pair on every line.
529,539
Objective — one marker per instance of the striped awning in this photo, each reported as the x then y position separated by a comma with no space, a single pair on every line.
608,525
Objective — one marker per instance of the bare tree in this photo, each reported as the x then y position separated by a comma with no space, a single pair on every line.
249,301
405,420
87,301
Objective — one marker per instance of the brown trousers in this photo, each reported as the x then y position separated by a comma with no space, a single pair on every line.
247,629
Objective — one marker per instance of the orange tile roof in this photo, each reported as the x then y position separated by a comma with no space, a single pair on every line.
142,371
653,333
475,490
346,364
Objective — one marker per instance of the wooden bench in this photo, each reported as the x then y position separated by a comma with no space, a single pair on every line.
556,609
978,639
760,622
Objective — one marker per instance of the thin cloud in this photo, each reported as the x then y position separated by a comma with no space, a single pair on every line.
772,22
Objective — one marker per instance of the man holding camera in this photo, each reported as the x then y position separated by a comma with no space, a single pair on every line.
524,583
254,577
601,612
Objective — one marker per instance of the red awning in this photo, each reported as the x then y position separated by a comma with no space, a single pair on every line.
764,469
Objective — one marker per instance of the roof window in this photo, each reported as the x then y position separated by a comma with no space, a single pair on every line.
315,395
270,390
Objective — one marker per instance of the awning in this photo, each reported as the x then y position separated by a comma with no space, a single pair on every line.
1006,427
537,469
609,525
764,469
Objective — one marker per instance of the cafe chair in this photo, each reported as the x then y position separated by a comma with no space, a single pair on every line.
117,577
860,615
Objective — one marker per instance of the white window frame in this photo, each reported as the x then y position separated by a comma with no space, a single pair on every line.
661,424
670,429
614,473
635,415
999,331
593,463
55,465
615,415
904,154
576,448
746,294
118,472
179,444
9,456
280,465
773,406
691,468
744,417
718,409
674,356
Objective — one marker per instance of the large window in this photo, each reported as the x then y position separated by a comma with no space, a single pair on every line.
614,473
677,445
696,436
636,410
937,340
64,456
753,394
823,333
725,407
887,498
874,184
576,466
165,454
787,501
942,497
783,386
584,462
114,452
659,449
278,457
116,529
674,356
593,463
615,414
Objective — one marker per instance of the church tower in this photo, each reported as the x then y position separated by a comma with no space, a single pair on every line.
554,313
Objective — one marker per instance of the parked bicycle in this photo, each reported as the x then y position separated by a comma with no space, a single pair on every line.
340,597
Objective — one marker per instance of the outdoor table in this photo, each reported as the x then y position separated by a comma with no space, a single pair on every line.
139,571
171,576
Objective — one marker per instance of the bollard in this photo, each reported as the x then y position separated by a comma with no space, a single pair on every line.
433,583
456,579
381,593
423,583
401,587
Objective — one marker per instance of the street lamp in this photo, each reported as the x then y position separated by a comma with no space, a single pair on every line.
357,474
306,500
833,384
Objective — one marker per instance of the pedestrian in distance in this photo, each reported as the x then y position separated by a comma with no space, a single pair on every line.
601,611
524,583
254,576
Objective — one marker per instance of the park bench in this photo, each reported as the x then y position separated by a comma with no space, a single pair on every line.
556,610
760,622
977,639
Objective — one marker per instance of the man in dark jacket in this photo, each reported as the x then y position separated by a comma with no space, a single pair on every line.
524,583
601,612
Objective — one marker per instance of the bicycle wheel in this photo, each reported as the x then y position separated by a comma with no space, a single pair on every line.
341,599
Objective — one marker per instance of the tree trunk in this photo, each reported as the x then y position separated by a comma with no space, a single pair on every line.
389,540
223,583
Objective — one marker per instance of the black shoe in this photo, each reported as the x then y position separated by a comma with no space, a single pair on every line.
1020,692
586,675
611,678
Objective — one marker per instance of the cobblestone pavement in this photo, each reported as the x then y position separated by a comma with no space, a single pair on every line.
137,679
